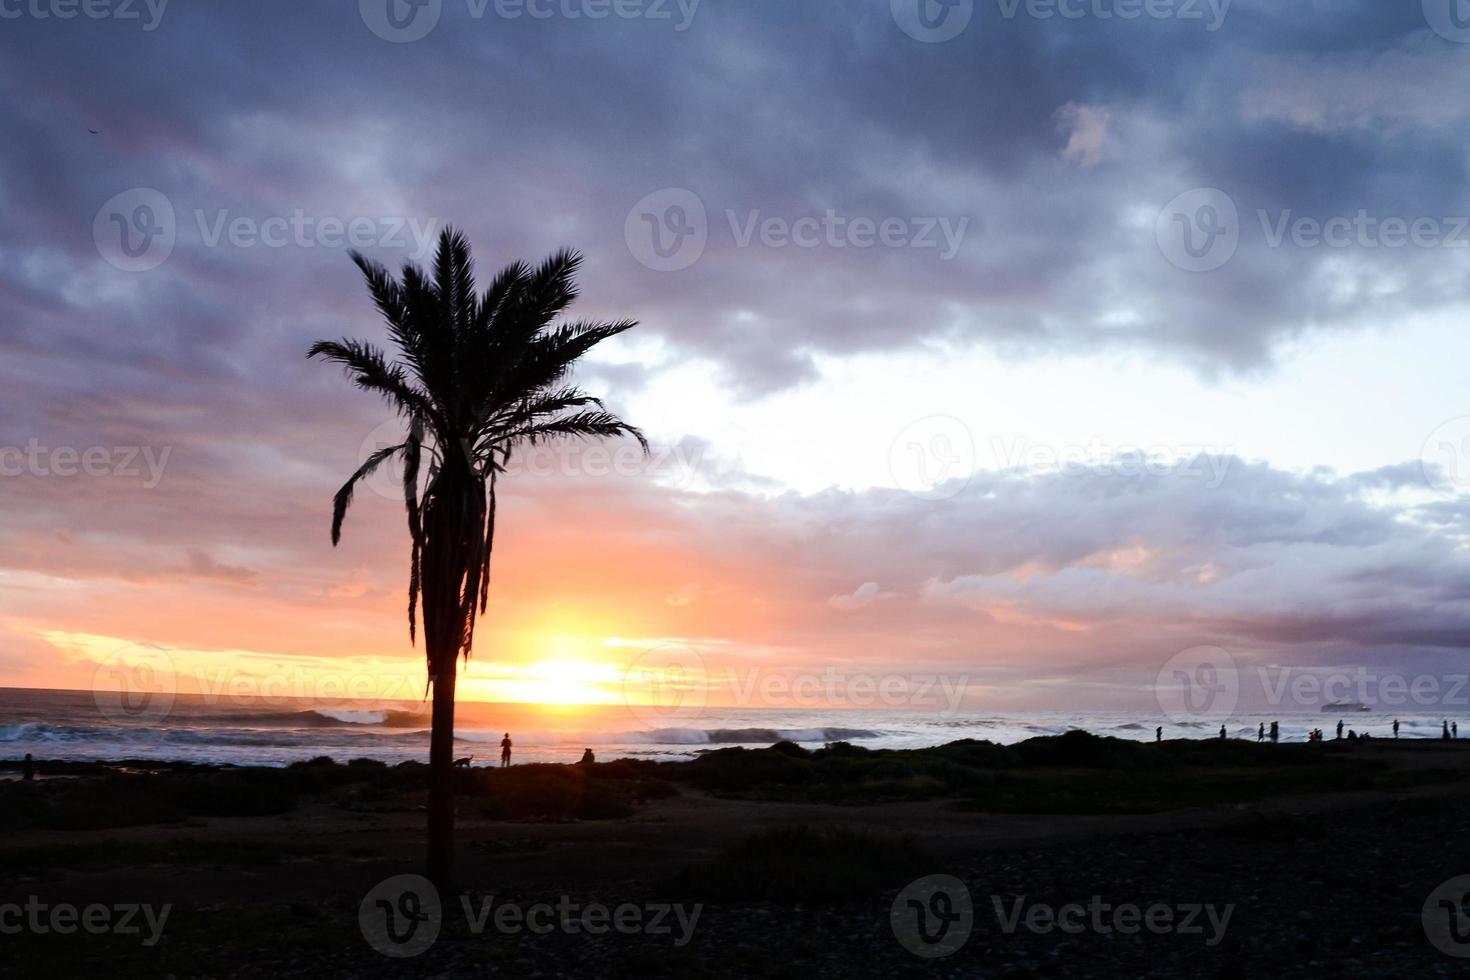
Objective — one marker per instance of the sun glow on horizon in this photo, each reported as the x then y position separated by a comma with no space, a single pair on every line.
562,681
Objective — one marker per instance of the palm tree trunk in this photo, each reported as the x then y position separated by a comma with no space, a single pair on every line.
441,782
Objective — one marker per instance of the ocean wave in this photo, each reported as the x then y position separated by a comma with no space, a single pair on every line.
311,718
674,736
39,732
744,736
21,733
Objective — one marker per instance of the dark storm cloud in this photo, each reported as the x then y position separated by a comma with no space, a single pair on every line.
538,132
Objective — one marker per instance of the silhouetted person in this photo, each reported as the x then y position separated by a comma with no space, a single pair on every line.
1446,735
1261,733
1352,735
587,758
1159,734
1395,728
1275,732
1339,729
505,750
30,768
1222,732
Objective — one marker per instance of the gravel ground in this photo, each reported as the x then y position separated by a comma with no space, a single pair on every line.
1271,891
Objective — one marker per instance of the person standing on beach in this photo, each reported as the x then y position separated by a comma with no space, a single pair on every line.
1446,735
1395,728
1159,734
1261,733
1275,732
505,750
1222,732
30,768
1339,729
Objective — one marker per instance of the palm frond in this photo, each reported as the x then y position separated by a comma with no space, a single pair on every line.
370,371
343,498
579,425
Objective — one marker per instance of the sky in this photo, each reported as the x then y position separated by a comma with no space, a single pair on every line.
1030,344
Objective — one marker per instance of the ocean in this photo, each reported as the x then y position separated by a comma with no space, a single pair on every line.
76,725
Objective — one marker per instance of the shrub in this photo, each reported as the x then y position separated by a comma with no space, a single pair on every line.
113,801
248,793
739,769
548,792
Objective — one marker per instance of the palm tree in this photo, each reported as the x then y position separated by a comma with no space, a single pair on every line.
477,376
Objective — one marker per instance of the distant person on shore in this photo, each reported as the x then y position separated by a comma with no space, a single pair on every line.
1395,728
1159,734
1223,735
1339,729
1446,735
505,750
587,758
1261,733
30,768
1275,732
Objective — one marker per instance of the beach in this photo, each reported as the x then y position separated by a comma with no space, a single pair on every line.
1319,882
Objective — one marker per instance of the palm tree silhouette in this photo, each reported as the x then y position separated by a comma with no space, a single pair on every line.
480,375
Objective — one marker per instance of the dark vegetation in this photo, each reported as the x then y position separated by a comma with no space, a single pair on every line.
1072,773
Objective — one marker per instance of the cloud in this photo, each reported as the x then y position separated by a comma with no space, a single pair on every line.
1028,573
864,595
781,111
1281,111
1086,130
